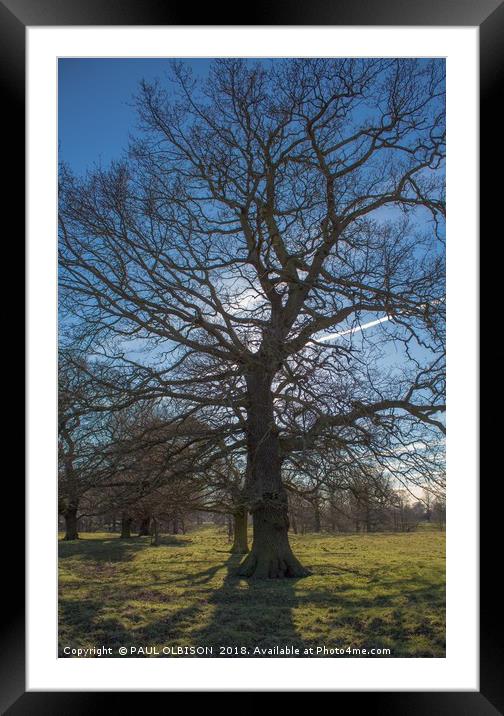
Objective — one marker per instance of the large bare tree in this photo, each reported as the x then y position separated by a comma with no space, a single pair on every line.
229,262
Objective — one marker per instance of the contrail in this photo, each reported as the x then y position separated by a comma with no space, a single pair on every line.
370,324
356,329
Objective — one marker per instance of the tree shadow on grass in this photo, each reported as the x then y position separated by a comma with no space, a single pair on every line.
80,628
173,541
250,615
104,550
198,578
237,615
114,549
404,614
212,607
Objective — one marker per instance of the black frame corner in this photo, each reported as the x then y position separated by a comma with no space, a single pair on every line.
15,16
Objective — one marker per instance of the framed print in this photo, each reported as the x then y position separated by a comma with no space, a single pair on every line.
249,249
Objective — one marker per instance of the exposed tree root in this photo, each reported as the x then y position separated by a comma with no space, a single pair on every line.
270,567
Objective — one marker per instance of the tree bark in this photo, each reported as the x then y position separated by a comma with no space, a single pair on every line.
144,528
240,538
126,521
271,556
70,516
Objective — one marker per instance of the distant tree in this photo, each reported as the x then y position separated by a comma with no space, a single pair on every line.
261,209
224,490
82,438
439,511
427,502
155,464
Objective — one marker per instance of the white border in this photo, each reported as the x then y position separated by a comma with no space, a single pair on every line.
459,670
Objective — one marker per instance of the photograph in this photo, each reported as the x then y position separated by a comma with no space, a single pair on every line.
251,357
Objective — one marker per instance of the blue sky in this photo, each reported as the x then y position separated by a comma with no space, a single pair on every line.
95,118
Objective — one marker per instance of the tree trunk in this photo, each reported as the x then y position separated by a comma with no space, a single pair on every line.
126,521
144,528
271,556
70,515
294,524
240,542
154,532
316,516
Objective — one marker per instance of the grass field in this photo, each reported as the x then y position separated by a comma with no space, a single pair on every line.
366,591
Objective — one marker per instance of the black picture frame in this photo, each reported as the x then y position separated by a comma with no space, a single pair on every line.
15,16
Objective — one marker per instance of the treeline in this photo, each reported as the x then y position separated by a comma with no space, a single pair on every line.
341,511
338,512
134,469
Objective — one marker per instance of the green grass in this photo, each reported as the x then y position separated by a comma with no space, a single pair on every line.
366,591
